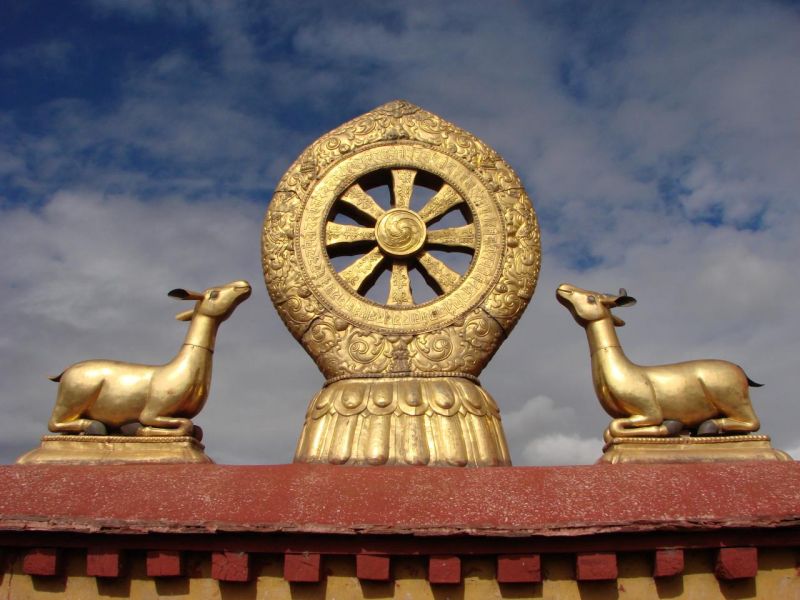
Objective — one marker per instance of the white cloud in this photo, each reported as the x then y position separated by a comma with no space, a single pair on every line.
535,435
561,449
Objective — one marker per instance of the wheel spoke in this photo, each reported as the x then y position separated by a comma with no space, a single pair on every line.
337,234
454,237
357,273
444,276
400,285
402,186
356,197
445,199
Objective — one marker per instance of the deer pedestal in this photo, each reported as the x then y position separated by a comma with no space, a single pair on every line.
116,449
690,449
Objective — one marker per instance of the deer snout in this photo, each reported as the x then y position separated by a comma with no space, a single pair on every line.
563,292
564,288
242,288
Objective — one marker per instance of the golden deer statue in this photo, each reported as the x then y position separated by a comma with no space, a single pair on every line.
96,395
710,395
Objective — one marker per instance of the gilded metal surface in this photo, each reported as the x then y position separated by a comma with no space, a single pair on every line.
115,449
435,173
97,395
708,396
690,449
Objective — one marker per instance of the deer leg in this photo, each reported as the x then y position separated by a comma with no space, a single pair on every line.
164,426
741,417
642,426
87,426
70,406
716,426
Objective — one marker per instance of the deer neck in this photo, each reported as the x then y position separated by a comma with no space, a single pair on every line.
202,333
603,339
610,367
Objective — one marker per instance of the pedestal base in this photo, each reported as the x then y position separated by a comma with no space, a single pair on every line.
690,449
112,449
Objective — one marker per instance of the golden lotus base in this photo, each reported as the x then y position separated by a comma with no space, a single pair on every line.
690,449
115,450
433,421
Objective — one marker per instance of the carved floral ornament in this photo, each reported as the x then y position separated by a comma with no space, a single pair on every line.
328,237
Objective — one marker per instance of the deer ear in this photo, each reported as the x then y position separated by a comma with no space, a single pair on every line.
617,321
182,294
185,315
624,300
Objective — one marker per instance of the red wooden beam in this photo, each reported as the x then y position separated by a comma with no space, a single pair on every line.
103,562
519,568
405,545
302,567
42,561
371,567
230,566
164,563
444,569
596,566
736,563
668,562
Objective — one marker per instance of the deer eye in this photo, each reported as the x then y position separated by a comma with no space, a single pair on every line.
591,299
214,295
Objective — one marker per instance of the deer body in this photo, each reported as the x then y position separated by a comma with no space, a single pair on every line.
97,394
656,400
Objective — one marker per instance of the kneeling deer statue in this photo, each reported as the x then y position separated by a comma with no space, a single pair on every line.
97,395
710,395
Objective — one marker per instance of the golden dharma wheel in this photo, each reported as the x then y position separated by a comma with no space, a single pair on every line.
400,251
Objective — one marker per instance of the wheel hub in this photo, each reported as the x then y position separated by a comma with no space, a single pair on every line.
400,232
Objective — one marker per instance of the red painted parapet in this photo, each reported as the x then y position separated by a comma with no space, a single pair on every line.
295,517
317,499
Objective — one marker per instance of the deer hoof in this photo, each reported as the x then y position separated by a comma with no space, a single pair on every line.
708,428
130,428
96,428
197,433
673,427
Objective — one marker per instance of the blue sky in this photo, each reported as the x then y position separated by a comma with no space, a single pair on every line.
140,143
